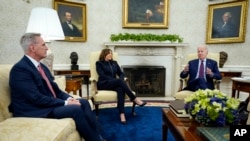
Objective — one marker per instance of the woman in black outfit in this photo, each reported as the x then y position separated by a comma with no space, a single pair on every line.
108,70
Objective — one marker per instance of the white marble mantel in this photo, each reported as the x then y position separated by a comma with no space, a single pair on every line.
173,50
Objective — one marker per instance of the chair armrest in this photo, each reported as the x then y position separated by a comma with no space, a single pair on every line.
183,83
217,84
93,83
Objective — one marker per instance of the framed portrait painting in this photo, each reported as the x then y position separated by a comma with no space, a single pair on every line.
73,19
145,14
227,22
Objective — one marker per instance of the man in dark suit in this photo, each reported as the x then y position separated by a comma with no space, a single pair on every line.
35,94
69,28
201,78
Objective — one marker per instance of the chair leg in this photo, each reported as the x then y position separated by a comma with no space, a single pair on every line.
97,109
133,109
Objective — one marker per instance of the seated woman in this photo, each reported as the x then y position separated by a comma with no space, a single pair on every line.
108,70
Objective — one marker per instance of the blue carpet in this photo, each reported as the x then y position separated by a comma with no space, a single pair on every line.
146,125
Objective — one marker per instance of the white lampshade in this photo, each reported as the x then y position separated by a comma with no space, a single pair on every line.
46,22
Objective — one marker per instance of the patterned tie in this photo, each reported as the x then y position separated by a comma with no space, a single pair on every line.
201,71
46,79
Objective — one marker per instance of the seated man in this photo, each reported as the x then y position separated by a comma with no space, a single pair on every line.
35,94
201,71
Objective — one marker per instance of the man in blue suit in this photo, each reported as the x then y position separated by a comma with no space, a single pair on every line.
204,79
32,95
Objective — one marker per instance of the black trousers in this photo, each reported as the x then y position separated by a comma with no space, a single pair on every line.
85,120
121,88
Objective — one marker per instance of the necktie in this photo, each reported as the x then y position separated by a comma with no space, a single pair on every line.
71,26
46,79
201,71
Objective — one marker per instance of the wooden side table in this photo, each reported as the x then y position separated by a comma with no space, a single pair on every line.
230,73
240,84
74,85
84,73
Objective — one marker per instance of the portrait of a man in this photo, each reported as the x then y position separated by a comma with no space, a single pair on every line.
71,20
68,26
226,22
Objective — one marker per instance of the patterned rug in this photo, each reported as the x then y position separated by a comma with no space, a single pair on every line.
153,103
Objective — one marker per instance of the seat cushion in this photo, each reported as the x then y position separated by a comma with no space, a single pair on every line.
105,95
182,94
27,129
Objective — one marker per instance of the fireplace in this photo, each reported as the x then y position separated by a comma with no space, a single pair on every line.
167,55
146,81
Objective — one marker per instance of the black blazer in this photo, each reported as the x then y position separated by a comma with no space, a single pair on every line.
108,70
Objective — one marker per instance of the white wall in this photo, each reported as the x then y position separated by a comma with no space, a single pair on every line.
104,17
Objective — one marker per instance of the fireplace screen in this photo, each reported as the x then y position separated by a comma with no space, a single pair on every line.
146,81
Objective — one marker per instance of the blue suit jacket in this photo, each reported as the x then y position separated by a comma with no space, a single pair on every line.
30,95
193,69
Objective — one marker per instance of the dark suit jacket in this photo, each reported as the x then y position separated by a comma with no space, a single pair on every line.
193,69
69,32
108,70
30,95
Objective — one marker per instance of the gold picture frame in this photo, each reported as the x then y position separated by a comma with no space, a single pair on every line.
232,31
141,14
76,30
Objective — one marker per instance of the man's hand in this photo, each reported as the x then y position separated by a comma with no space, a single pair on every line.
73,101
186,68
209,72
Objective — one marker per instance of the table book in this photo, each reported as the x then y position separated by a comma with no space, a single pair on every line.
177,107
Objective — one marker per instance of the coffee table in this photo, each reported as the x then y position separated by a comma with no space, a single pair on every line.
183,129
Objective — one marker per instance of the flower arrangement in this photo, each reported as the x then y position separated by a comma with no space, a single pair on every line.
212,107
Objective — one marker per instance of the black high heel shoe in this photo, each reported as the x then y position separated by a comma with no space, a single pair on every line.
143,104
124,122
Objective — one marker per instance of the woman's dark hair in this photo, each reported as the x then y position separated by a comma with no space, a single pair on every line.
104,53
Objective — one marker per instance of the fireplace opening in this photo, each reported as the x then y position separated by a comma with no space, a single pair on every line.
146,81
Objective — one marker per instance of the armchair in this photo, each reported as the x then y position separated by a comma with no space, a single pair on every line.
181,94
100,96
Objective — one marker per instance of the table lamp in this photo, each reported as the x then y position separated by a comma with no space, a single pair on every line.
46,22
